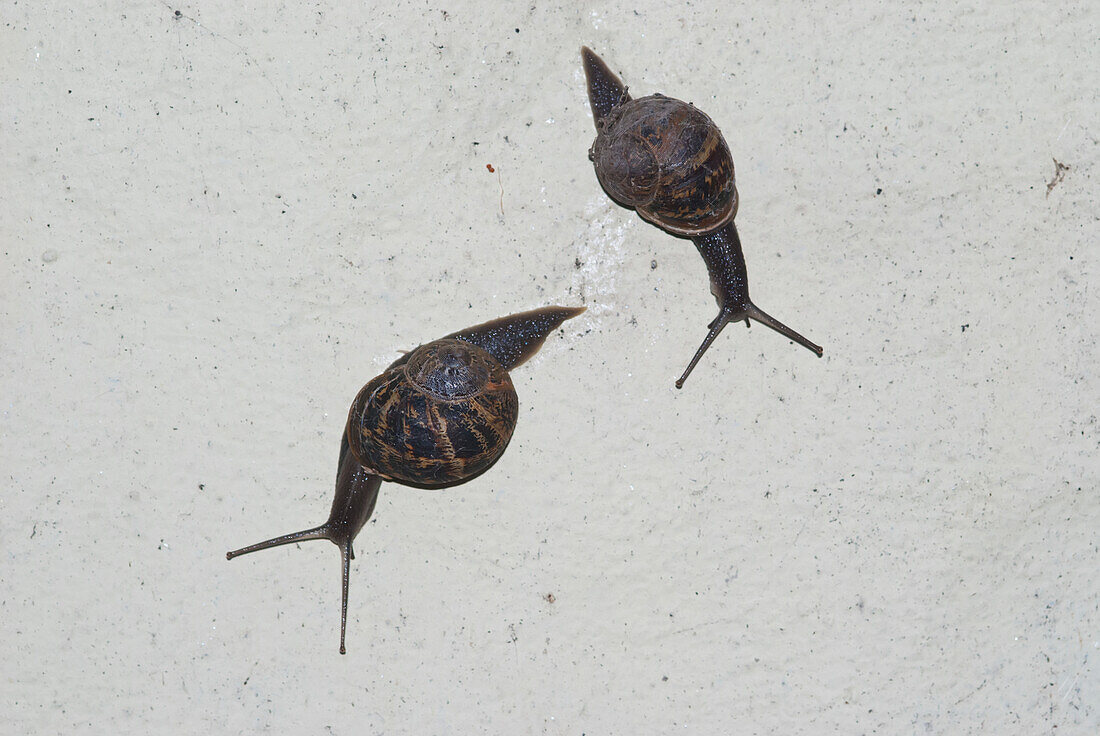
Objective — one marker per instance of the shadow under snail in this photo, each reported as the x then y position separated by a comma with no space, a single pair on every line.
436,417
669,162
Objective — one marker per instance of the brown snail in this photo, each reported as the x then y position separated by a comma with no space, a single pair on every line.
669,161
436,417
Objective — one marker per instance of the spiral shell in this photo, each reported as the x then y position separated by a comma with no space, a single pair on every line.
669,161
440,415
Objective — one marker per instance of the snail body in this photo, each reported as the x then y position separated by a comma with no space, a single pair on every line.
669,161
438,416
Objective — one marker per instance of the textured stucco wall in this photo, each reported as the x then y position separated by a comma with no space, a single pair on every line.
217,225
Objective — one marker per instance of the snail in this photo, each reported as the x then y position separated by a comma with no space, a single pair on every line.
436,417
669,162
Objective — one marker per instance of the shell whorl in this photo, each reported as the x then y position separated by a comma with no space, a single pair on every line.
441,416
449,369
669,161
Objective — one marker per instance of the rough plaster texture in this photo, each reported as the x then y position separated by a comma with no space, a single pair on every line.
217,224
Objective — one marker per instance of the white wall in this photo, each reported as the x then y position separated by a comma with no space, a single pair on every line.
216,227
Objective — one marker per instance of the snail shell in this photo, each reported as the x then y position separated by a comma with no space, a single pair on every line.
440,415
669,161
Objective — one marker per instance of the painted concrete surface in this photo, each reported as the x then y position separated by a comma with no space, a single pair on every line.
219,220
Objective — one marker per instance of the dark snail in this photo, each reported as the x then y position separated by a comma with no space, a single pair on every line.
668,161
438,416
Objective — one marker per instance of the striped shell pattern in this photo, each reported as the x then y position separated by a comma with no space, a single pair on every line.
440,415
669,161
